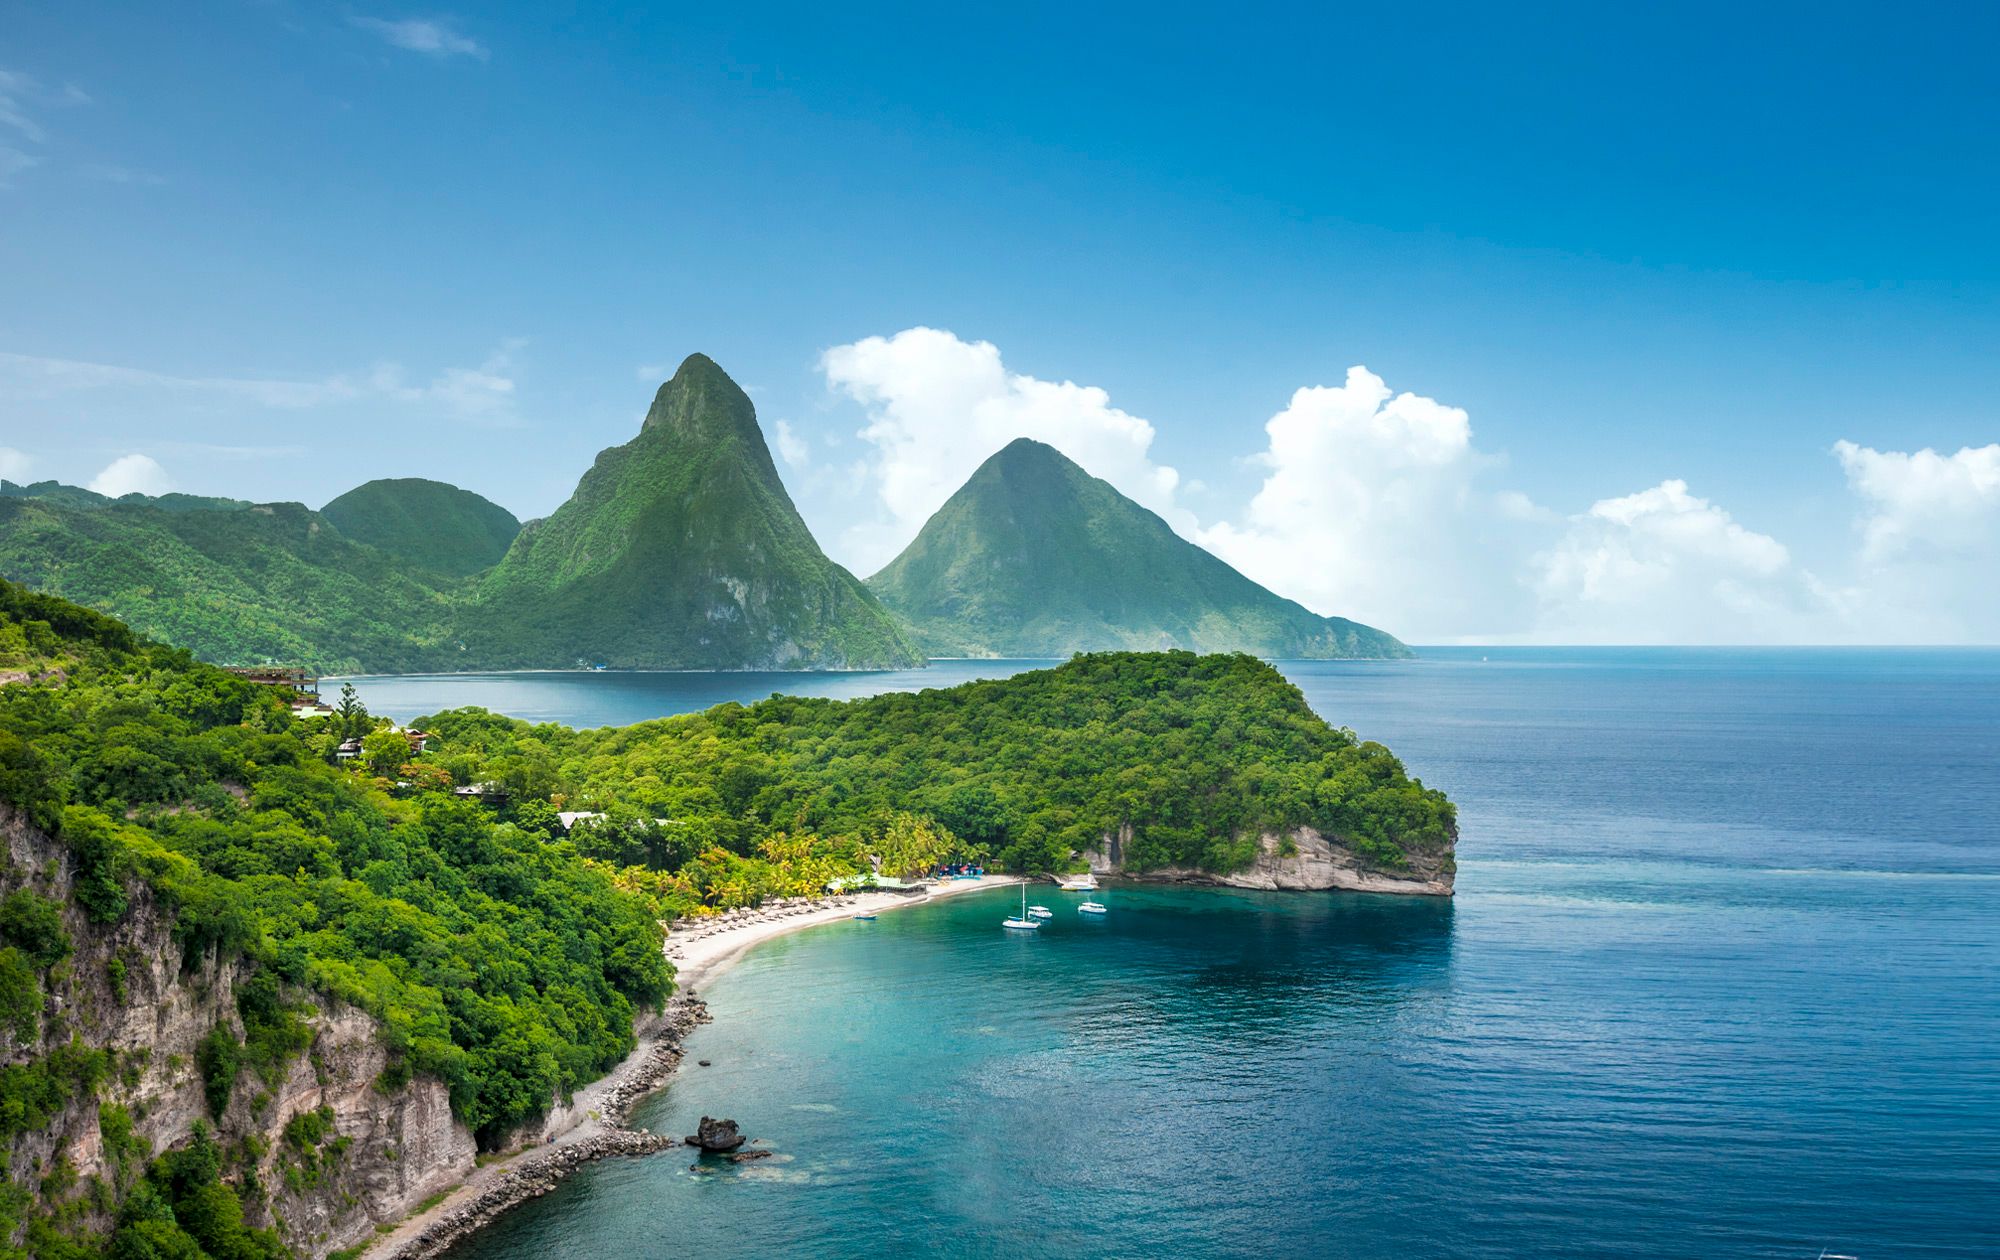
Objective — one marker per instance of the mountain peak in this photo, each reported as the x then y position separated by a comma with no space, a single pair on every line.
701,400
1033,556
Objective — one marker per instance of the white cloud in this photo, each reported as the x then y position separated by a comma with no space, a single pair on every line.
131,474
21,96
433,37
1382,506
484,394
14,464
1924,501
41,376
1929,531
792,448
1374,506
16,90
1667,566
938,406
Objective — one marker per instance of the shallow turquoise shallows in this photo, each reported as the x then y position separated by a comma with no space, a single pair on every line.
1722,979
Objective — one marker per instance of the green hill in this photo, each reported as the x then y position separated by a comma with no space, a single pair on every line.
428,523
680,550
77,497
273,581
1035,557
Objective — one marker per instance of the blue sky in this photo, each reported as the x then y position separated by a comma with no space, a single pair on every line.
273,250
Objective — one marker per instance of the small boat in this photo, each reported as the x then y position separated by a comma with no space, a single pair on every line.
865,918
1021,923
1040,912
1093,907
1077,883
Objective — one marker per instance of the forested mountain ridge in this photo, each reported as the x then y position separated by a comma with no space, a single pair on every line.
1035,557
429,523
271,581
680,550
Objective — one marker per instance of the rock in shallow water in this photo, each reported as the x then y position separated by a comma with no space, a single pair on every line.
716,1135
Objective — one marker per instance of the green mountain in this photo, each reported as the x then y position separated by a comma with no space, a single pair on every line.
1035,557
428,523
273,581
680,550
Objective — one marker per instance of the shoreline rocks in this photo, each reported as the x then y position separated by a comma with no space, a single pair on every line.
539,1170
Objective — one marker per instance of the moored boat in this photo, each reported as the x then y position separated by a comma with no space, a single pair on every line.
1021,923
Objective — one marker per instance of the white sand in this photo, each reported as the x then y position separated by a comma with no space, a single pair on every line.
708,946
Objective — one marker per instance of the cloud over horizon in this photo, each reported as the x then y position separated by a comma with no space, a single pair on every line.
1380,506
131,474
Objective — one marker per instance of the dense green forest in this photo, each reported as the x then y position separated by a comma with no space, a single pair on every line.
497,962
271,582
1195,754
1035,557
506,954
428,523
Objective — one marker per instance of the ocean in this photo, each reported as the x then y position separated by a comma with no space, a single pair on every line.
1722,978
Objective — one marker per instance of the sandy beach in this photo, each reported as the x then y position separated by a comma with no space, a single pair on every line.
707,946
593,1125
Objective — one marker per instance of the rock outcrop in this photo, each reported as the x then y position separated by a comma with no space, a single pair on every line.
1301,858
126,988
716,1135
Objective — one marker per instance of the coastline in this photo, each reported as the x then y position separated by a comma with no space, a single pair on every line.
593,1124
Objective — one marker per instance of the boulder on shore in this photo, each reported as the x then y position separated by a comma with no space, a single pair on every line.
716,1135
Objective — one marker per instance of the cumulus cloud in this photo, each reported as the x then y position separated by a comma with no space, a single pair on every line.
1375,505
131,474
14,464
1929,531
1380,505
1667,566
434,37
1924,501
938,406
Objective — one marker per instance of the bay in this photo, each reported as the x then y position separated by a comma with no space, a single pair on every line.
1719,981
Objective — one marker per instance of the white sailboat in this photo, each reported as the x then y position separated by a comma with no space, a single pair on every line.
1021,923
1040,912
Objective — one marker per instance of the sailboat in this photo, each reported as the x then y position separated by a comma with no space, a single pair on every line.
1021,923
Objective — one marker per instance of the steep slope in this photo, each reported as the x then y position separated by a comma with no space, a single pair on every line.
680,550
1035,557
269,582
428,523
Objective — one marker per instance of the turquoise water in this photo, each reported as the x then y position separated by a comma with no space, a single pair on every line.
1720,981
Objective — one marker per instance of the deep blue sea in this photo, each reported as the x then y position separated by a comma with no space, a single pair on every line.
1722,979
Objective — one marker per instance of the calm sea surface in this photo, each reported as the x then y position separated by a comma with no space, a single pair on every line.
1722,979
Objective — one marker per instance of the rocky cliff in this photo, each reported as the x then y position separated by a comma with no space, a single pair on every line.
334,1152
1300,858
